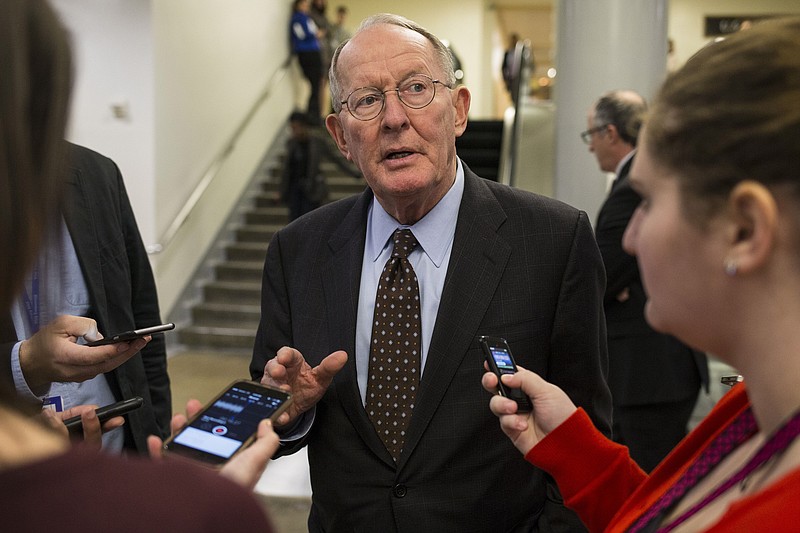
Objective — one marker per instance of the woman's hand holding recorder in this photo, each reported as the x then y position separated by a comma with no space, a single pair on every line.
551,407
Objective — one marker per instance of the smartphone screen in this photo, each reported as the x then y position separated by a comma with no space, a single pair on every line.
228,423
500,361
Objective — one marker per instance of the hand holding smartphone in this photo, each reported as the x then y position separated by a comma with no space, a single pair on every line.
228,423
131,335
500,361
75,426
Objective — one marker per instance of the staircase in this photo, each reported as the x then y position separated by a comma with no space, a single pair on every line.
480,147
227,315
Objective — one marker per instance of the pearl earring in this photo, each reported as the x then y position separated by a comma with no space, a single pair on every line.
731,267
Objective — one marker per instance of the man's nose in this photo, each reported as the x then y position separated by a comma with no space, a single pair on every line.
394,111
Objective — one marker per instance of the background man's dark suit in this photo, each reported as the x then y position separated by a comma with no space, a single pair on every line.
121,287
523,267
646,369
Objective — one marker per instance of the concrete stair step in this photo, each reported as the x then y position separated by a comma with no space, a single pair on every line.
232,292
239,271
218,337
346,184
267,215
240,316
266,199
246,251
256,232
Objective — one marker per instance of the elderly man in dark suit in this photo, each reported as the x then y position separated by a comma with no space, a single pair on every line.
654,378
92,276
399,434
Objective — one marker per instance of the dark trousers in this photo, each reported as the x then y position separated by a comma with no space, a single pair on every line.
299,203
651,431
311,65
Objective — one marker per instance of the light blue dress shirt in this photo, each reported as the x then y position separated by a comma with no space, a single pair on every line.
62,291
434,233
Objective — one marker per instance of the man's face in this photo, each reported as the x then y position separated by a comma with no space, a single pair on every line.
407,156
600,147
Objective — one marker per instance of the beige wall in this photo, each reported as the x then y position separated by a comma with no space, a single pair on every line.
687,18
462,22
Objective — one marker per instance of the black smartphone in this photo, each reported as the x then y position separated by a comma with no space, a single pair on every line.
500,361
131,335
228,423
75,426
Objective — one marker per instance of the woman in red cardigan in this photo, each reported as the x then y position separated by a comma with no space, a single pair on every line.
717,238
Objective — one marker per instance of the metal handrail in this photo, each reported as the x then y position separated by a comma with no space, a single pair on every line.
213,169
512,127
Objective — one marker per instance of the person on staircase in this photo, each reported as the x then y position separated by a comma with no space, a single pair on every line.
303,184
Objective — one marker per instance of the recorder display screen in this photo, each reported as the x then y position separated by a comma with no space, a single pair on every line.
503,360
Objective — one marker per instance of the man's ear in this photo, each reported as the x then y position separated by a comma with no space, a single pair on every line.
334,126
613,133
461,101
753,225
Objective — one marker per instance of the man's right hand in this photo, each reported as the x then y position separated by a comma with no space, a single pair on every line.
289,371
52,353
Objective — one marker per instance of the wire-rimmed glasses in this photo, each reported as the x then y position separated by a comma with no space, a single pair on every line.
587,135
416,92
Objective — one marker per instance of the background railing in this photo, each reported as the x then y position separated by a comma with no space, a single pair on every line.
521,71
213,168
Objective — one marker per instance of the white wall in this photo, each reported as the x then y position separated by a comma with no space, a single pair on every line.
213,59
188,72
113,56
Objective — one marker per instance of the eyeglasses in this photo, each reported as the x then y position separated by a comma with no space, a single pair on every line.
366,103
587,135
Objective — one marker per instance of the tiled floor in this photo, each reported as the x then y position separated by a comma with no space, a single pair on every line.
284,487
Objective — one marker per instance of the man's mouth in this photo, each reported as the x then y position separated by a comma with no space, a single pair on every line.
398,155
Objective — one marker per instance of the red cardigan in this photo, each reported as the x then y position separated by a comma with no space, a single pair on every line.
600,481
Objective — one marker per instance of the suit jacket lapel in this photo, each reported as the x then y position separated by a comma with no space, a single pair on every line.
341,280
79,215
477,262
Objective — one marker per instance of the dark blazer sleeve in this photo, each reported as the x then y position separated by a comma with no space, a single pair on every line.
121,284
616,212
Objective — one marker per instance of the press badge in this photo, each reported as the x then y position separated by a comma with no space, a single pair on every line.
54,403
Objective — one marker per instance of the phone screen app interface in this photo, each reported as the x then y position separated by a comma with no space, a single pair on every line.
228,422
503,360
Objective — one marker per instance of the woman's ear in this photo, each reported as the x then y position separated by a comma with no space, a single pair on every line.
753,226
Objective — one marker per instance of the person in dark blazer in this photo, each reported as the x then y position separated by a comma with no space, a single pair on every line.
491,260
654,378
121,297
303,187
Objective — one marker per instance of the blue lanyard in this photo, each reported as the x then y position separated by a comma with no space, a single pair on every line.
32,301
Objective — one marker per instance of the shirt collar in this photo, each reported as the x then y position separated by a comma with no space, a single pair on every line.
623,161
433,232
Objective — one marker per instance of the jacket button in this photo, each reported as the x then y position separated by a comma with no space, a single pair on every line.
399,491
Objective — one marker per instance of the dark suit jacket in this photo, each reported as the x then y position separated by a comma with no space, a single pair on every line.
121,287
523,267
645,366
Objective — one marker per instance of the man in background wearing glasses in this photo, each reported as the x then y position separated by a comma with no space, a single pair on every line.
654,378
399,434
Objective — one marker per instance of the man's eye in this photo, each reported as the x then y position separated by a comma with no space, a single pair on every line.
369,100
417,87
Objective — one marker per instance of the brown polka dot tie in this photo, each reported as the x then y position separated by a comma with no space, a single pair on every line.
394,356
